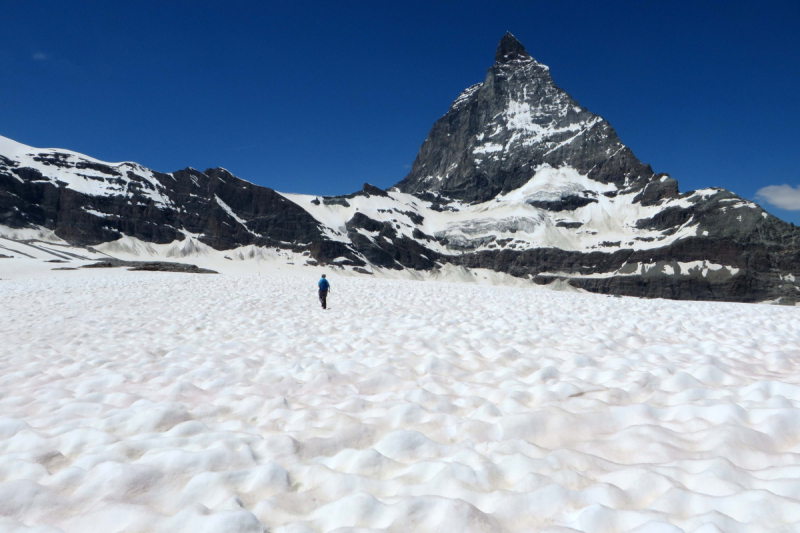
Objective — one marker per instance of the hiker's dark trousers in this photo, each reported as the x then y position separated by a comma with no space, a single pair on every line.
323,298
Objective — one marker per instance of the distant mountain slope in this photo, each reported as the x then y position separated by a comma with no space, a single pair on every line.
515,178
88,202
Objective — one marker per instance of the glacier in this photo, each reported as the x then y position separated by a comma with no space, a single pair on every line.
137,401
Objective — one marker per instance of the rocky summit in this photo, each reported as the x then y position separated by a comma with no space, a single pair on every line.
498,132
516,177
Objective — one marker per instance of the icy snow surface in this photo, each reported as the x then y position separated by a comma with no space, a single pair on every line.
167,402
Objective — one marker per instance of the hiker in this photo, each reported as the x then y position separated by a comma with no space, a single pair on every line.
324,287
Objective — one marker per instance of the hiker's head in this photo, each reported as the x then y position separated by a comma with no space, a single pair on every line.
323,275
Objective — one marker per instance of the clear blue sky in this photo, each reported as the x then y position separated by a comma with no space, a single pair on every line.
319,97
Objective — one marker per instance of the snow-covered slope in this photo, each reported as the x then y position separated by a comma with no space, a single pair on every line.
220,404
478,226
84,174
88,202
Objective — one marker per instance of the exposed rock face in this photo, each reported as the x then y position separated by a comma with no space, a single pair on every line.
188,200
88,203
516,178
498,132
386,248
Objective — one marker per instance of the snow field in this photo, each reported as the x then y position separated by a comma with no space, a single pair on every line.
170,402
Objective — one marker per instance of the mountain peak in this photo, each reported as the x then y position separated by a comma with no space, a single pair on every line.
510,49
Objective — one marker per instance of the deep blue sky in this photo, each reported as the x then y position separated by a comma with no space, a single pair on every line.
319,97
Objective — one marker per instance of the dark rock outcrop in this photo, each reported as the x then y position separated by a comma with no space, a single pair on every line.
225,211
150,266
385,248
565,203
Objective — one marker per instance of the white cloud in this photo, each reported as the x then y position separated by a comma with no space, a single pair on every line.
38,56
781,196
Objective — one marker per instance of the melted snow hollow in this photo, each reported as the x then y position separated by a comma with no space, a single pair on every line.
178,403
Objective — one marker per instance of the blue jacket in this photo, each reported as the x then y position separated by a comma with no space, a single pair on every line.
324,285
